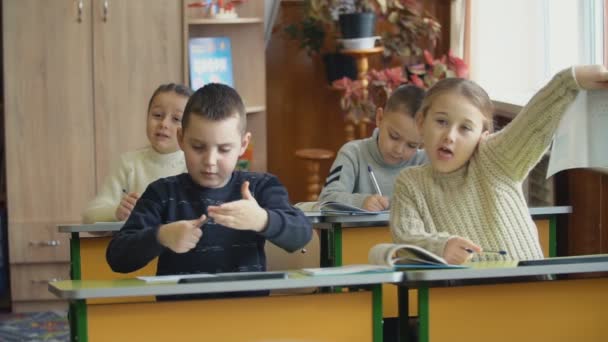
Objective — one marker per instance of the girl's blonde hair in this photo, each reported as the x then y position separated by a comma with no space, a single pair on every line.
468,89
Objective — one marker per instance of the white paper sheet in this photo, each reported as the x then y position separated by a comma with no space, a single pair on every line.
581,140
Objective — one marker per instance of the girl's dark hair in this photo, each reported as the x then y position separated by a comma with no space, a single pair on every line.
215,102
406,98
179,89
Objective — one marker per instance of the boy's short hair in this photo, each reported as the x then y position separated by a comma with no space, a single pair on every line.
179,89
216,102
407,98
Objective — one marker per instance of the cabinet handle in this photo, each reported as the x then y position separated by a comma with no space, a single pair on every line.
43,281
80,8
105,10
48,243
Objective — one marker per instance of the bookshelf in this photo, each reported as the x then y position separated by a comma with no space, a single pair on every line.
246,35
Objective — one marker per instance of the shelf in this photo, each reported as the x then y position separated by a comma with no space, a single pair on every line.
212,21
254,109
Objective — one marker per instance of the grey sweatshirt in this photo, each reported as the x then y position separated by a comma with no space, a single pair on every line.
349,180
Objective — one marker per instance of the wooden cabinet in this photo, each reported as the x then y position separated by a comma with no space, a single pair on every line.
246,34
135,49
77,79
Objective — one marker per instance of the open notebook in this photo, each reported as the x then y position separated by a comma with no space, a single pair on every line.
402,256
389,257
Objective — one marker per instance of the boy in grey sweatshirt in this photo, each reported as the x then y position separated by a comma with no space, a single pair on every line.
394,145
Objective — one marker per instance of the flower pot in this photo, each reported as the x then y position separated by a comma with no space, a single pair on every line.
359,43
338,66
357,25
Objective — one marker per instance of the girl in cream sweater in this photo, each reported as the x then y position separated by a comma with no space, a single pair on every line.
469,198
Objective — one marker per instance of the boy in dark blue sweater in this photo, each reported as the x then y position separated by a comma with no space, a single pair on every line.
212,219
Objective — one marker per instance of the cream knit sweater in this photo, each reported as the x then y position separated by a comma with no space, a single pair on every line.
135,171
483,201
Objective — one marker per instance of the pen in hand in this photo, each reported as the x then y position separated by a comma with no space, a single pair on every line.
374,181
501,252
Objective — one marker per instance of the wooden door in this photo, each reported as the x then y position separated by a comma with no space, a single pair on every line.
49,110
137,46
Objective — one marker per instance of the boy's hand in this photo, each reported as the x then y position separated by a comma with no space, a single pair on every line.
376,203
127,203
243,214
455,251
591,76
181,236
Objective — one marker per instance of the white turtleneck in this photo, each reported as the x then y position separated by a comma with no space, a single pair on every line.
135,171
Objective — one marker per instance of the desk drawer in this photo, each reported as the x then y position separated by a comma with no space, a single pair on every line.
30,281
37,242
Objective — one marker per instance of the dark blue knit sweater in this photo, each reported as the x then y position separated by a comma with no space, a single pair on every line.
220,249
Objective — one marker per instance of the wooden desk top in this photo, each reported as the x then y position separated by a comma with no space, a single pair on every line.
85,289
315,217
507,272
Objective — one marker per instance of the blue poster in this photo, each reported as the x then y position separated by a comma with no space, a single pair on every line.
210,61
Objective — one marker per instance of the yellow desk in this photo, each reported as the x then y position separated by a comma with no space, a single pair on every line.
350,238
88,255
348,316
466,305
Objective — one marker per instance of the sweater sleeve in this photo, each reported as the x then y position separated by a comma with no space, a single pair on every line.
103,207
136,244
407,222
521,144
342,179
288,227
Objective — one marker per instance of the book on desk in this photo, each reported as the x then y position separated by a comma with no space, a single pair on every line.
389,257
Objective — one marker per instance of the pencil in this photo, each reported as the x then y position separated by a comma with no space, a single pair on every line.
489,251
374,181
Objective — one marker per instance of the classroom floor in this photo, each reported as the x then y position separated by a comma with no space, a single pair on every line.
37,326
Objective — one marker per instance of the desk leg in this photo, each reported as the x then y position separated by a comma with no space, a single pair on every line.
75,270
331,246
337,245
378,330
78,321
423,314
552,236
324,248
403,326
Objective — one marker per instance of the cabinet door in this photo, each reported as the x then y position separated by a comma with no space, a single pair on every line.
48,111
137,46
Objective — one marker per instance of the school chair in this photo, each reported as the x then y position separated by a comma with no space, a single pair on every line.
277,259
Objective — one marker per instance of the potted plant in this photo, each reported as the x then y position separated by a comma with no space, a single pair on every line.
405,29
360,99
357,18
409,28
316,35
